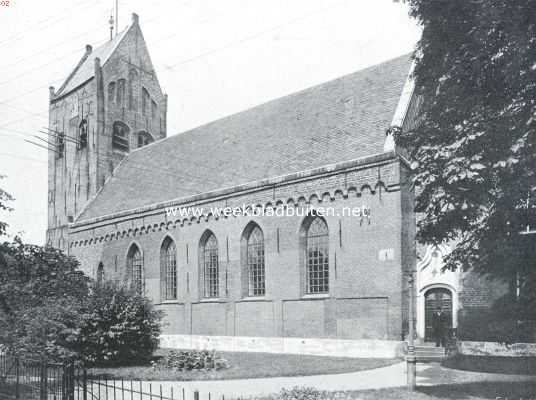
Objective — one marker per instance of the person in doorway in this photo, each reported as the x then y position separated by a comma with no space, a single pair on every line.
439,326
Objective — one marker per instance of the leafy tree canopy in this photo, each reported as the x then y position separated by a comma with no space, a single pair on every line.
42,293
49,308
5,198
475,143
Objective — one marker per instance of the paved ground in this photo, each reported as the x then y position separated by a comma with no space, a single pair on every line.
386,377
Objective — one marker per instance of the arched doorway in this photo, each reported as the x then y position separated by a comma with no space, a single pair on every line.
433,300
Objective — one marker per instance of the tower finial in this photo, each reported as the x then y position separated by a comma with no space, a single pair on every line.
111,22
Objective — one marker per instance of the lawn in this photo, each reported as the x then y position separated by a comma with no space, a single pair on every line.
501,365
248,365
466,391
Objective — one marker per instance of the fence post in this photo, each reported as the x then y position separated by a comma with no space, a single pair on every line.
44,381
17,381
67,382
84,384
196,394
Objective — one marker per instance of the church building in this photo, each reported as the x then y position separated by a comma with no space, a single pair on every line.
318,283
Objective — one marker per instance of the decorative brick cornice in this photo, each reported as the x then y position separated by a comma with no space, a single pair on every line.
354,188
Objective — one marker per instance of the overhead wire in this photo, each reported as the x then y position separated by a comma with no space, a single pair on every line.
228,45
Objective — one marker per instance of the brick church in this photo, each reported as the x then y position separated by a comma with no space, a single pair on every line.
312,284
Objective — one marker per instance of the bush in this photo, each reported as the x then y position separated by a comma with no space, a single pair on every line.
42,296
120,327
192,359
300,393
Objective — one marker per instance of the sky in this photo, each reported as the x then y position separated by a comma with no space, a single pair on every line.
213,58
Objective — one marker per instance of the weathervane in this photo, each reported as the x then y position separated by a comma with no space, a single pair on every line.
111,22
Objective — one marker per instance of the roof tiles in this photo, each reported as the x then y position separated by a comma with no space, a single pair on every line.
336,121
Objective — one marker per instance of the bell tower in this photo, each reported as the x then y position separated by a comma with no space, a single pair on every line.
109,105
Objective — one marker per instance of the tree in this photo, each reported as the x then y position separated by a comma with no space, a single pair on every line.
4,198
42,294
475,141
50,309
119,326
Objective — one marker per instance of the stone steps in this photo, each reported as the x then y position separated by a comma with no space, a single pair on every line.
429,353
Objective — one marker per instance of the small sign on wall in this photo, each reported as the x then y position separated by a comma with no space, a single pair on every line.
386,254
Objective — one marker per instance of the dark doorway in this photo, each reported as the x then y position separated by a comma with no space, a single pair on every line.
433,299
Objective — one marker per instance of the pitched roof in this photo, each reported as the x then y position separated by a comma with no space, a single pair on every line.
336,121
86,70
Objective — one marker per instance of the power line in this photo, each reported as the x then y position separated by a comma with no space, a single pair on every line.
254,36
132,164
68,13
228,45
23,158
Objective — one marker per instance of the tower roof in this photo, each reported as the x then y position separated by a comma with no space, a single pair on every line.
85,70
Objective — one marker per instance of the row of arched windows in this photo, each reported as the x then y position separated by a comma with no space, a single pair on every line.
314,242
121,137
122,94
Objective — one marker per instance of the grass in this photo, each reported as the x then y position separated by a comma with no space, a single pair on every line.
466,391
248,365
501,365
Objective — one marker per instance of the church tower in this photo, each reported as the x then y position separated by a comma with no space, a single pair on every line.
109,105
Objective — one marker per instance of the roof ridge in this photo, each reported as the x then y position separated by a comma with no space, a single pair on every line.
270,139
274,100
75,70
89,52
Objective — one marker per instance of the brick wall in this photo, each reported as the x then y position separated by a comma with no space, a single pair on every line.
365,261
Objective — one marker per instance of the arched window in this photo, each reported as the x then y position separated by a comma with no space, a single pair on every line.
144,138
168,270
121,87
132,79
154,108
82,135
145,101
100,275
120,136
111,92
60,147
135,268
210,265
315,240
253,253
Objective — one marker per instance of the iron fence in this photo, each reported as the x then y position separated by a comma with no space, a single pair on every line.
26,379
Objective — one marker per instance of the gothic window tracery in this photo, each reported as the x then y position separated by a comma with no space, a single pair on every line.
255,262
111,92
144,138
210,265
168,270
315,242
135,269
120,136
121,86
82,135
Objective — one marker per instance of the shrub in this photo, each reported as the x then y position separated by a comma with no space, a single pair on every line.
193,359
42,295
300,393
120,327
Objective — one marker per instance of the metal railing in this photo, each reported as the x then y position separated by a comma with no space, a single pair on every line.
27,379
